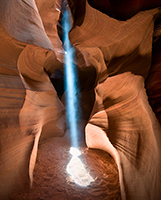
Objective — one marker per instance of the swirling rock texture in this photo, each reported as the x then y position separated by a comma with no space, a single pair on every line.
121,54
113,43
28,98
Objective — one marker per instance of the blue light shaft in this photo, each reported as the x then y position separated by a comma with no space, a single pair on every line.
71,80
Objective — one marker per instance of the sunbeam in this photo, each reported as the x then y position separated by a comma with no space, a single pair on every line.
71,79
75,168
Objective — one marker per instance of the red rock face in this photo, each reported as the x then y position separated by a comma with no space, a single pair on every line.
119,49
115,53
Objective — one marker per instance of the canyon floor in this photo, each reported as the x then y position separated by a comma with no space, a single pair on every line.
52,182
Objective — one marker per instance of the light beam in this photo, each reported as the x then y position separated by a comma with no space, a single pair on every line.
75,168
71,80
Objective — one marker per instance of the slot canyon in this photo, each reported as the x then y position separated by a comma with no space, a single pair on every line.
117,56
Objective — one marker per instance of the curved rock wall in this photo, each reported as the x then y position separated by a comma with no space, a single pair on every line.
124,124
29,103
113,56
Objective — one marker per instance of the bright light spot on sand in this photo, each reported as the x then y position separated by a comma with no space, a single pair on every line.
76,169
75,152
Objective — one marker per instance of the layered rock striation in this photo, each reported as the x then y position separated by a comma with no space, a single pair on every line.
115,59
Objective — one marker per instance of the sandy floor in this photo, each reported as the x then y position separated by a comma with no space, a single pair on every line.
52,182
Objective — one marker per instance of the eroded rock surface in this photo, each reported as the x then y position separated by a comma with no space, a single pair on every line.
114,58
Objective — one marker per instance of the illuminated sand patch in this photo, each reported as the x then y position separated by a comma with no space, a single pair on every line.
77,170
